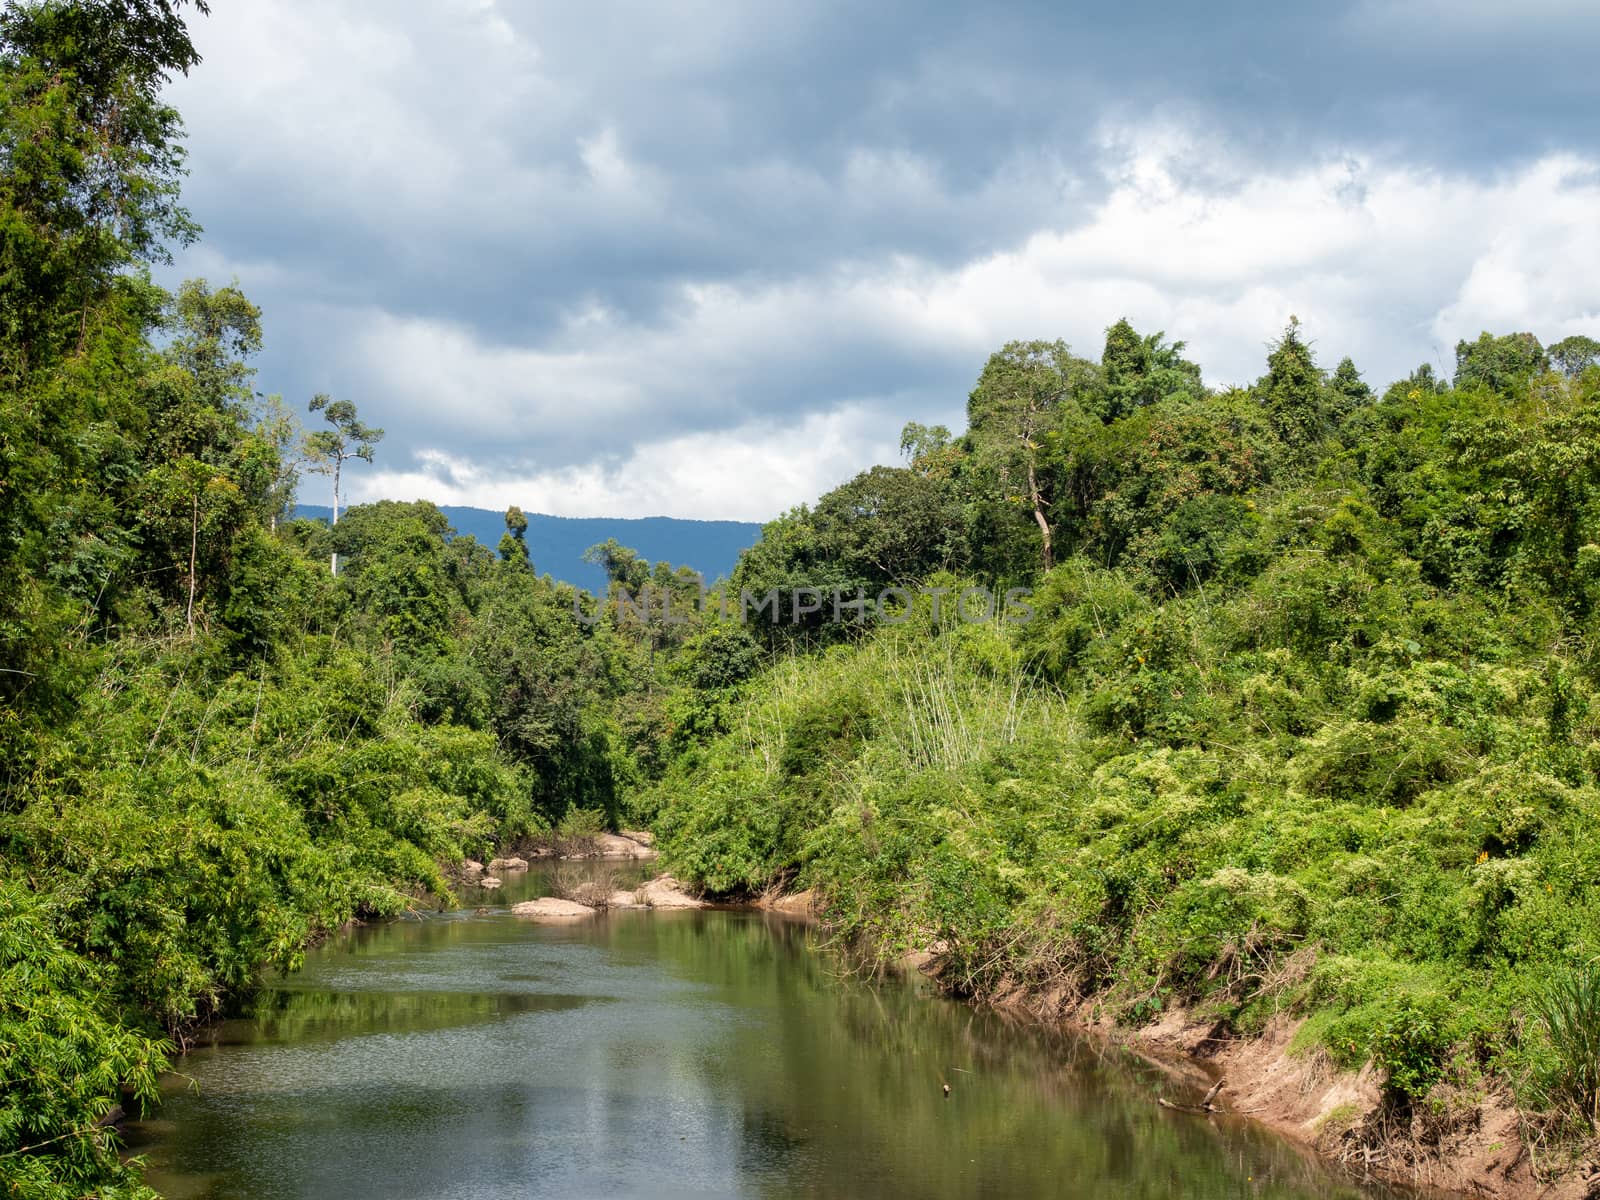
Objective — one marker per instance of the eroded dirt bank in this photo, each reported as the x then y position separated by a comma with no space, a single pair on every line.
1465,1143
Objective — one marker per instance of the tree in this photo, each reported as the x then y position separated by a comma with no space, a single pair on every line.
329,449
796,562
1415,387
1291,391
890,525
928,449
215,331
1501,364
1011,415
1574,355
91,162
514,542
277,427
624,567
1142,370
1347,391
192,479
397,570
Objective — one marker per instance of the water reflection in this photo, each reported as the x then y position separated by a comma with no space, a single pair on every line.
698,1053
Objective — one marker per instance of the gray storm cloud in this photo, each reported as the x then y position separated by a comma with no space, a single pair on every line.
564,244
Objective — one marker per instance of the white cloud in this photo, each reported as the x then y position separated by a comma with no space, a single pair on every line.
1538,265
732,475
603,156
1386,263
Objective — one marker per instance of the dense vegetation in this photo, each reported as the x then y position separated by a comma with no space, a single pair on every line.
1305,715
212,749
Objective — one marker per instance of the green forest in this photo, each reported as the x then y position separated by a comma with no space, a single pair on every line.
1305,716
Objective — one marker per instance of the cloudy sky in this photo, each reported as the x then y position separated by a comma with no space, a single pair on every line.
704,259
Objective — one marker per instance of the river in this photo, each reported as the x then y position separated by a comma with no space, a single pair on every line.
711,1053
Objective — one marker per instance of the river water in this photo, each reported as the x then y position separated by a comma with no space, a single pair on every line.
708,1053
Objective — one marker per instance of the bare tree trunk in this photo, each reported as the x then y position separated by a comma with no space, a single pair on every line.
194,546
338,461
1038,515
1034,497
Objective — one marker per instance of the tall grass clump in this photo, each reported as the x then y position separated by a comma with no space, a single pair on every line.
1568,1009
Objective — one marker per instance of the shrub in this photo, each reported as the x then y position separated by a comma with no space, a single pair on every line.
64,1054
1409,1049
581,824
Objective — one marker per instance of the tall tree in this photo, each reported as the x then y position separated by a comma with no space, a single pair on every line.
1574,355
623,565
1012,414
330,449
514,542
91,161
1292,391
1142,370
1347,391
1501,364
215,331
929,449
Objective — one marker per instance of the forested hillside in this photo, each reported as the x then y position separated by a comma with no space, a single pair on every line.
1304,719
558,544
1301,714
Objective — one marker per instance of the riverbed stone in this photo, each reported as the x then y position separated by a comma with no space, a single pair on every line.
667,892
622,899
489,881
612,845
471,869
799,904
551,909
508,864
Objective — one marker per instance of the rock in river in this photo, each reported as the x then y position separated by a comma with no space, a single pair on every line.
667,892
550,909
611,845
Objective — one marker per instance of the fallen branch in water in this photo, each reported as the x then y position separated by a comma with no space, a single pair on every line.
1205,1105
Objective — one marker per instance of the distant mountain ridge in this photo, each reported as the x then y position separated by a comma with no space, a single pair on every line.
556,544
